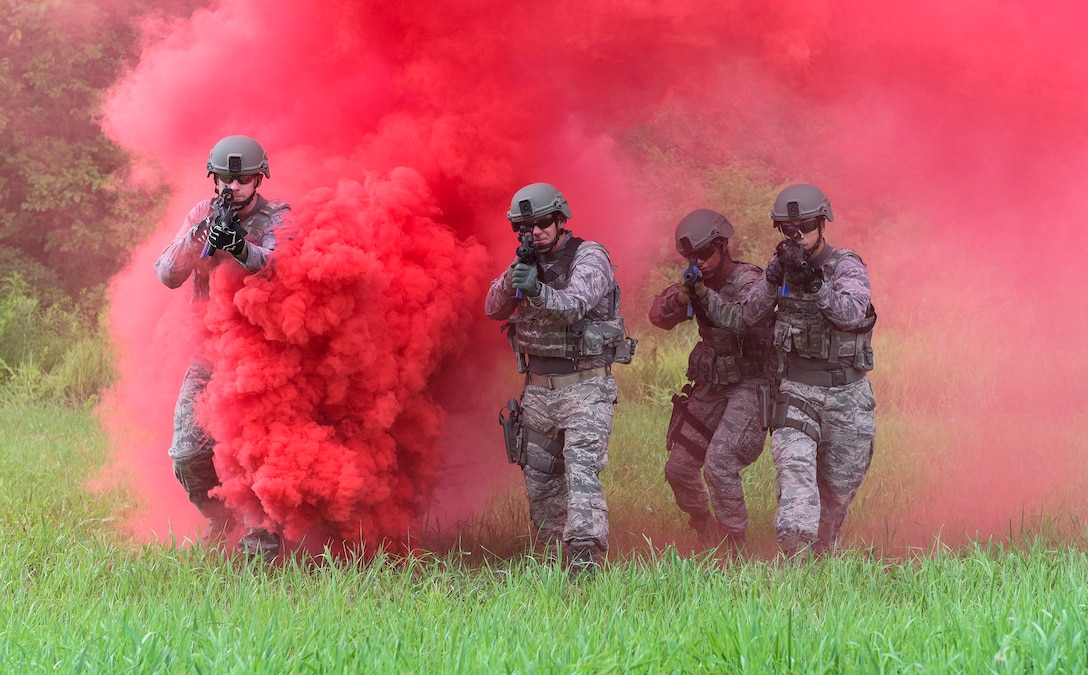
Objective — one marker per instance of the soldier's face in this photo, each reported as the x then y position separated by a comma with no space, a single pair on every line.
805,231
545,230
243,186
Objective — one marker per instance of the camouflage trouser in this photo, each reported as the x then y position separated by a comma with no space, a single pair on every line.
192,449
570,506
731,415
818,480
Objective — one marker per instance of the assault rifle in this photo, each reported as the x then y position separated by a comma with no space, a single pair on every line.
526,253
691,277
223,214
798,268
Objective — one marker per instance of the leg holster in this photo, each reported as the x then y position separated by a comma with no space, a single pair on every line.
782,418
553,446
681,418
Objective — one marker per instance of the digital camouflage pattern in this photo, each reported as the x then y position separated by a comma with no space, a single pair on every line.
570,506
192,449
817,480
707,484
181,257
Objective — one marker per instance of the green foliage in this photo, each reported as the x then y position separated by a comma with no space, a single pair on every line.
48,352
67,198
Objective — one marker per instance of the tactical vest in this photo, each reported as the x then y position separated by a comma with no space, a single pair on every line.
803,336
591,337
255,223
725,356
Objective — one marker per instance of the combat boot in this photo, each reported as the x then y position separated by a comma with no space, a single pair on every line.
584,559
260,544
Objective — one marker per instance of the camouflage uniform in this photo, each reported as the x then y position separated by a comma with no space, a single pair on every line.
192,449
823,424
716,430
568,401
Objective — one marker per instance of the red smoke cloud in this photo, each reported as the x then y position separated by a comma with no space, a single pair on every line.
319,399
951,139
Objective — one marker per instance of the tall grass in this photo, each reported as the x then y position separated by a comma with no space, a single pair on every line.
78,597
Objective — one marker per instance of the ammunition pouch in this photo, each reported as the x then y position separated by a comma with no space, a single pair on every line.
705,364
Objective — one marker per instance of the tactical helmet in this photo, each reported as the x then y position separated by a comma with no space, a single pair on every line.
699,229
535,200
239,155
801,202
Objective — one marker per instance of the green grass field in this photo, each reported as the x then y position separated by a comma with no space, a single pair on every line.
80,597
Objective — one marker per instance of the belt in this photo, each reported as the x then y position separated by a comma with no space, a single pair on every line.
567,379
823,378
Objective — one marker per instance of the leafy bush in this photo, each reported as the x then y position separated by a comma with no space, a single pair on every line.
49,351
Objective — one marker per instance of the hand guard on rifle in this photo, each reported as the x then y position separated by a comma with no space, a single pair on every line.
226,238
523,278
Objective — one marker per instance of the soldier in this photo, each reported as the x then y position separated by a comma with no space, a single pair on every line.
561,302
822,428
237,165
716,427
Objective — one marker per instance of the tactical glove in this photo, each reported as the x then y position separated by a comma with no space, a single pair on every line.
810,279
774,272
198,235
227,239
523,278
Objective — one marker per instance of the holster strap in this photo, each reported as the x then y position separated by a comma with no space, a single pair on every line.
567,379
552,446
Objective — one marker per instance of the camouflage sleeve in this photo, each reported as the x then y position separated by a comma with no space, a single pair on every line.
668,311
845,301
180,256
501,299
760,301
590,280
259,245
729,312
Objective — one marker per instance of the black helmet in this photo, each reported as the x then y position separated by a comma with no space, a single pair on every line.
238,155
699,229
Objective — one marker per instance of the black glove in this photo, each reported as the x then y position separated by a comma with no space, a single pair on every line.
227,239
523,278
808,278
774,271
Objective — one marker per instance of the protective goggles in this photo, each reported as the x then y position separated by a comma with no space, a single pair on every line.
529,225
791,228
704,254
227,178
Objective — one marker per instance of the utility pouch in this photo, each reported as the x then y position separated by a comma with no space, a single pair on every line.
510,420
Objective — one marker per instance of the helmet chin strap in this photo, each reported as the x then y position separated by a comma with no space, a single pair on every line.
547,248
241,206
722,259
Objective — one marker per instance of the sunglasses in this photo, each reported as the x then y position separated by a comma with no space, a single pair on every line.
791,229
704,254
530,225
227,178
